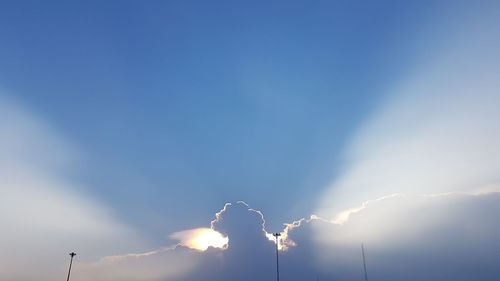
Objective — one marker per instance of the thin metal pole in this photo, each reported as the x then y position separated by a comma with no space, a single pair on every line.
72,254
277,261
364,261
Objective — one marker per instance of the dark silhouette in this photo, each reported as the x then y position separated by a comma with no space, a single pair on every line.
364,261
72,254
277,262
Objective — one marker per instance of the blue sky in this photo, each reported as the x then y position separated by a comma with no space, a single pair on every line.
155,114
206,102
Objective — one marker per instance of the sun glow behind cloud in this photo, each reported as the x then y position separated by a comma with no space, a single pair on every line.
271,238
201,239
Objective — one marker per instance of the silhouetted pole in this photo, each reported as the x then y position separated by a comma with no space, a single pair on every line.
364,261
72,254
277,261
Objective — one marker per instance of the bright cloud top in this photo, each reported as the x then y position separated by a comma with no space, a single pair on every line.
201,239
431,230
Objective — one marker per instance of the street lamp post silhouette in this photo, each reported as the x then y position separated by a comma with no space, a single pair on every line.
276,235
72,254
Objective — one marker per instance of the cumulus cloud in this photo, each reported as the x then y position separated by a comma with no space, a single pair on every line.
417,237
447,236
426,164
413,237
417,165
249,255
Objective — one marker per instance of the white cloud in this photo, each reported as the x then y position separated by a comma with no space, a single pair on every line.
416,237
431,156
163,264
449,236
248,251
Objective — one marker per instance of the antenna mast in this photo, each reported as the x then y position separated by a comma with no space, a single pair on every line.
364,260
